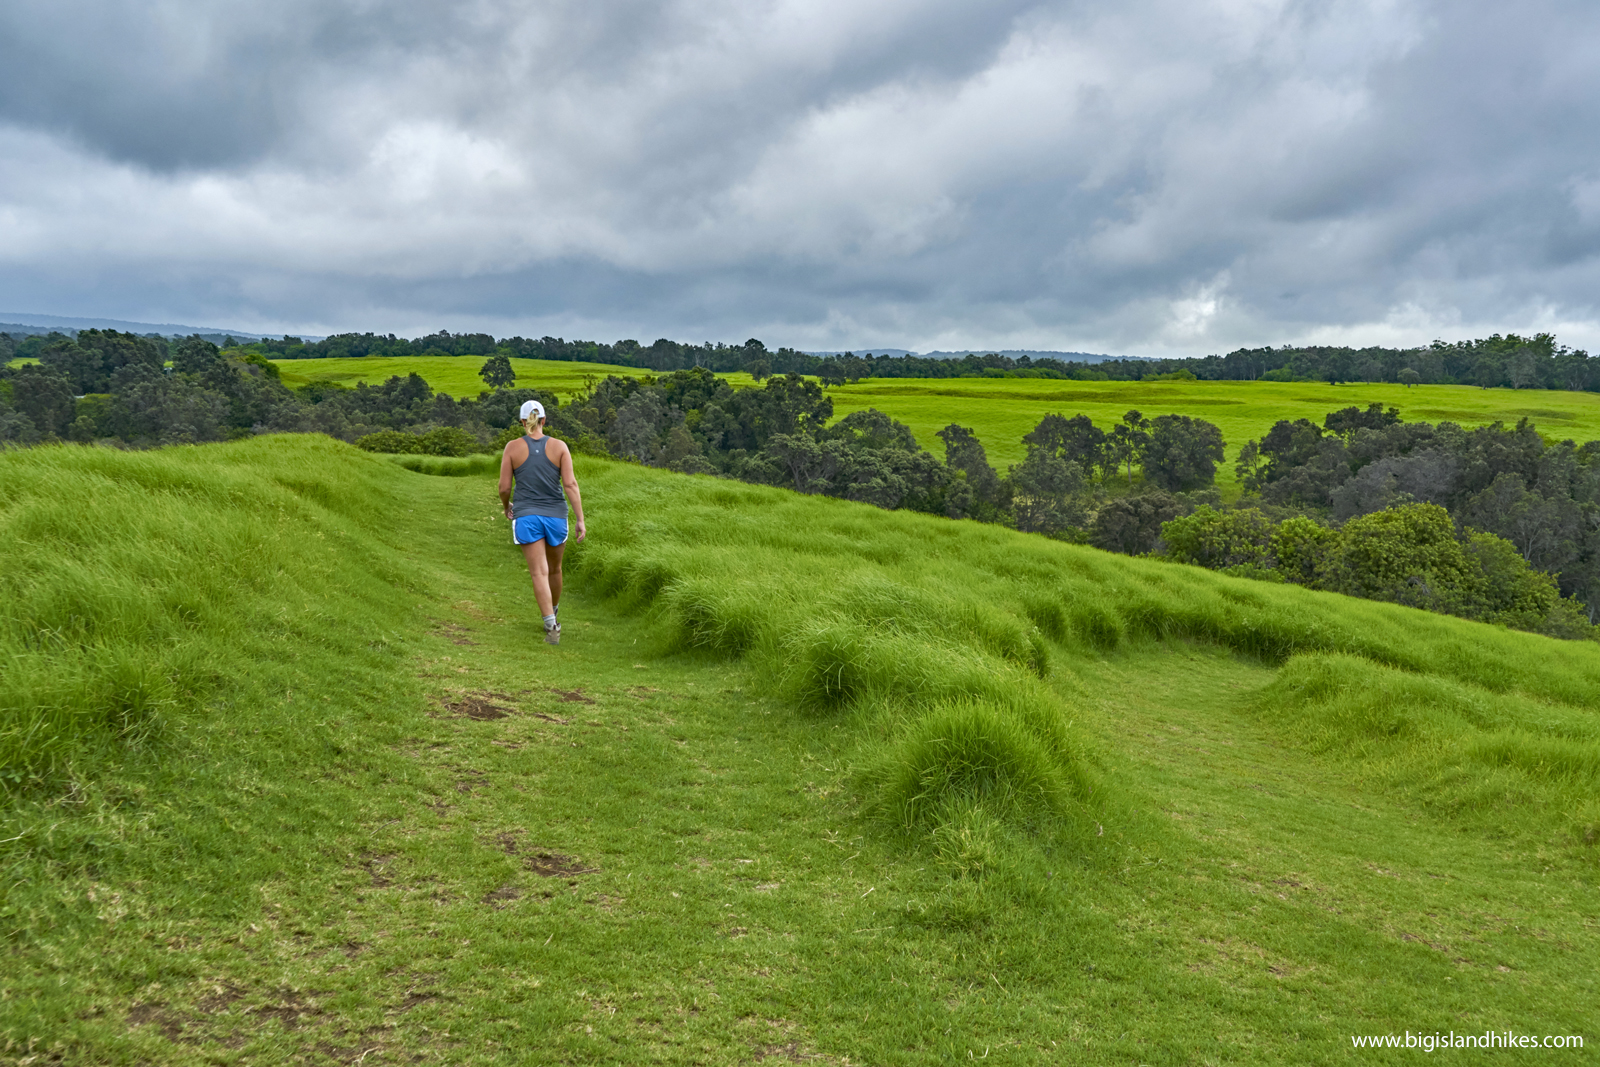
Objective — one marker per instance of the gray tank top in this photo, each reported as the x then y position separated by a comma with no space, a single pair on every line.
538,484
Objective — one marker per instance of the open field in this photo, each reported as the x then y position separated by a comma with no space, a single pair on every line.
456,375
293,779
1002,410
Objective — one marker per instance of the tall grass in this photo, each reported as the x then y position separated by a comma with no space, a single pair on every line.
1451,746
937,635
137,585
448,466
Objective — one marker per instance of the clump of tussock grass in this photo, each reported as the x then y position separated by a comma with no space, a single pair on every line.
138,584
1016,763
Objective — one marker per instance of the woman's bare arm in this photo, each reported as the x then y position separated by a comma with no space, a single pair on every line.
569,483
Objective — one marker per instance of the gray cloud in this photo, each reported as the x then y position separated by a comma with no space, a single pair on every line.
1147,176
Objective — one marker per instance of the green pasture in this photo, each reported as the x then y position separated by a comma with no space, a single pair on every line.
456,375
1001,410
290,776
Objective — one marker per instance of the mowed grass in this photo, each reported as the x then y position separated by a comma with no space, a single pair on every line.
804,780
457,375
1002,410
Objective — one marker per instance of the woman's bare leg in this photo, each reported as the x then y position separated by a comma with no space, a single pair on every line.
539,571
552,558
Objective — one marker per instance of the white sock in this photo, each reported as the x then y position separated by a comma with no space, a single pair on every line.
549,621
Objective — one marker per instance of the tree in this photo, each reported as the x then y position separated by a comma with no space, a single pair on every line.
1408,377
871,429
196,355
1346,421
1299,547
1076,440
831,371
497,373
1131,524
1182,453
964,454
637,426
44,397
1127,440
1047,493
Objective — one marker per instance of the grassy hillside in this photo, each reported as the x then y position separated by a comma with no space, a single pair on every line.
804,780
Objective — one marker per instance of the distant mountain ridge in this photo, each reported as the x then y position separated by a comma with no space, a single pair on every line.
16,322
1014,353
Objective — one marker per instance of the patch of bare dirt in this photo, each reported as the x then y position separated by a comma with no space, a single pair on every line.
471,780
478,706
558,720
572,696
414,998
377,866
555,865
156,1014
543,862
456,634
221,998
291,1010
498,898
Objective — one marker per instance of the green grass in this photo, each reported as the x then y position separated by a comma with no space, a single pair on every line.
804,779
449,466
457,375
1002,410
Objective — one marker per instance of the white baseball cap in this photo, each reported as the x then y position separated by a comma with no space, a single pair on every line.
532,409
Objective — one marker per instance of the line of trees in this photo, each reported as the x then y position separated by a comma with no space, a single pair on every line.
1542,499
137,391
1499,361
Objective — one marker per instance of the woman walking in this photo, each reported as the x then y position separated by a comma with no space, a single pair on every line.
535,469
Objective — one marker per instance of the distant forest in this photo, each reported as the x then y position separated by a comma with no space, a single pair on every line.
1508,361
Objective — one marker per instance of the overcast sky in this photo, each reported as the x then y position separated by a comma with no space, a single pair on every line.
1142,176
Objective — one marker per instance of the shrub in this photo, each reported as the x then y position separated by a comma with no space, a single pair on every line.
1218,539
394,442
448,441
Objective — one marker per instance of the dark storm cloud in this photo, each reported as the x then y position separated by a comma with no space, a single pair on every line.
1148,175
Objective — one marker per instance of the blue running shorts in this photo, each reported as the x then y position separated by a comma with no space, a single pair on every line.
531,528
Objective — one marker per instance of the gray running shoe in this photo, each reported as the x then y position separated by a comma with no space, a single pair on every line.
552,634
